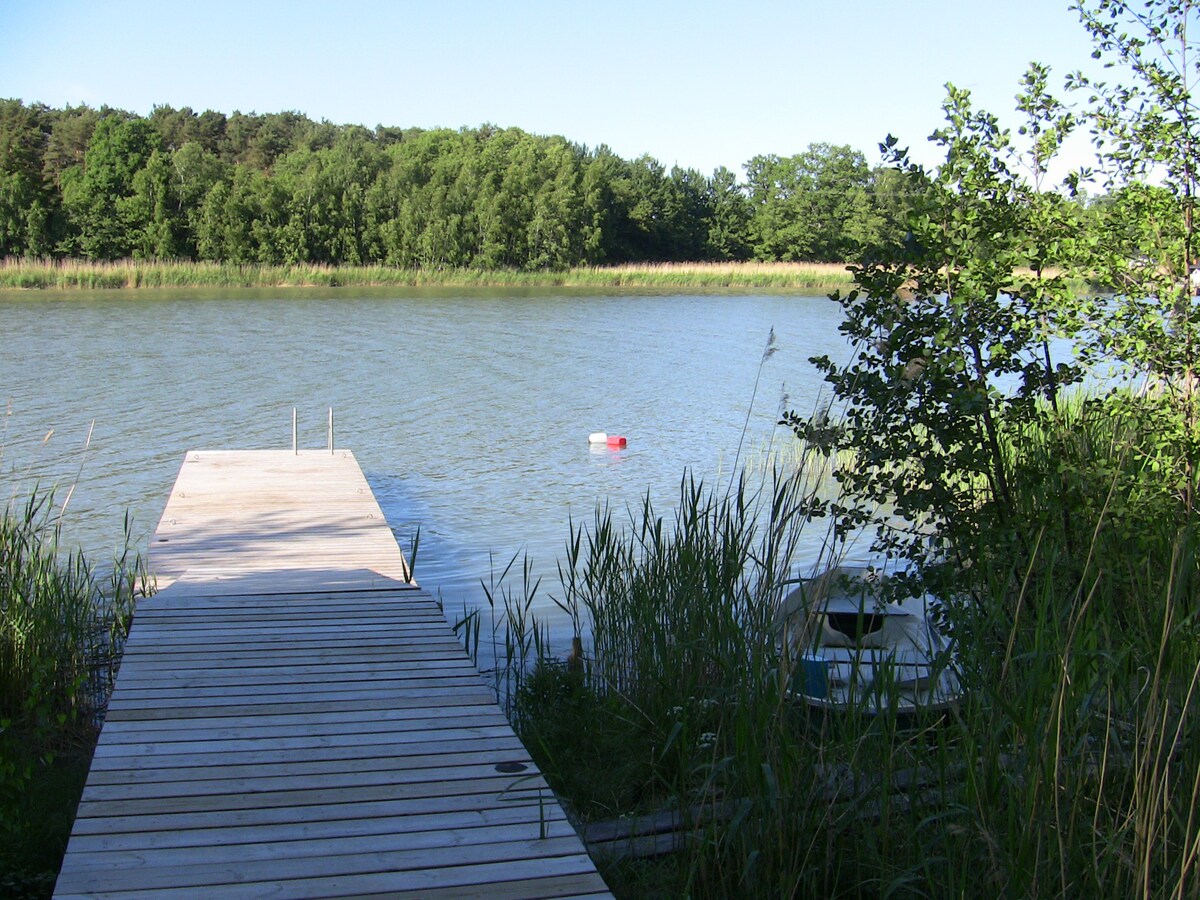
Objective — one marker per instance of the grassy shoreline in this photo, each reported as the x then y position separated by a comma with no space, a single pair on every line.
42,274
1061,772
62,631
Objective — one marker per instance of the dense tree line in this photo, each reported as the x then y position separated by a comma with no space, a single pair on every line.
281,188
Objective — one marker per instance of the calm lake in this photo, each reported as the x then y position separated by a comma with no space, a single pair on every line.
469,412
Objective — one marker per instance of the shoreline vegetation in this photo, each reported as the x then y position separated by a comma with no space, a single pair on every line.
72,274
673,736
63,624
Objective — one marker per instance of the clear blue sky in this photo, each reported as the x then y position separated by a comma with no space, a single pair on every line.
699,84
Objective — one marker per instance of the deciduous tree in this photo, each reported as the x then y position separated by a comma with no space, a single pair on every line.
950,355
95,194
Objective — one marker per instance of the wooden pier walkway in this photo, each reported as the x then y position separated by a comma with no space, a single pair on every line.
294,718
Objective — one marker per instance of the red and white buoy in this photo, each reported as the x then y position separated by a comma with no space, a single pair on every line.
612,441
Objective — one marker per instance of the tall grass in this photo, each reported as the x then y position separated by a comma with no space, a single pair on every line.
21,274
62,628
678,650
791,276
1070,768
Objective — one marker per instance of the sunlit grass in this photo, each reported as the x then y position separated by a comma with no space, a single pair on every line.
22,274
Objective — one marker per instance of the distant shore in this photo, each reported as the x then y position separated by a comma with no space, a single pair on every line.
34,275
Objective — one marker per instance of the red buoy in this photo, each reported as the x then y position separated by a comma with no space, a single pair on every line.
617,441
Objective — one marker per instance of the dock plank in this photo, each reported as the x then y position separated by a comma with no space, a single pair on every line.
294,717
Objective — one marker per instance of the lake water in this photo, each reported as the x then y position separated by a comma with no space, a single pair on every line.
468,412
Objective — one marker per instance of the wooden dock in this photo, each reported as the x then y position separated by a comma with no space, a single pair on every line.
294,718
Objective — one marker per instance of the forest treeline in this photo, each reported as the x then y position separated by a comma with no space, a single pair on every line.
280,188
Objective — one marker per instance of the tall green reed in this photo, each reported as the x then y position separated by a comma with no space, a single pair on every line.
1069,768
62,627
62,630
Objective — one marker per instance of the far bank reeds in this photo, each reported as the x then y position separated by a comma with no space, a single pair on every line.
22,274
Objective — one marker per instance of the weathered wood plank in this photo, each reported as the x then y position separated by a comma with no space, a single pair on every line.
384,760
316,651
506,745
432,710
390,743
300,793
271,816
399,842
145,871
451,769
529,878
517,817
291,726
145,676
204,746
142,711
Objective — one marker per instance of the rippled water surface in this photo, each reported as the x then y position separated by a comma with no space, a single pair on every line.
469,413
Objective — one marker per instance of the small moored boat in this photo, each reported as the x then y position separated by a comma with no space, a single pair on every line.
850,649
